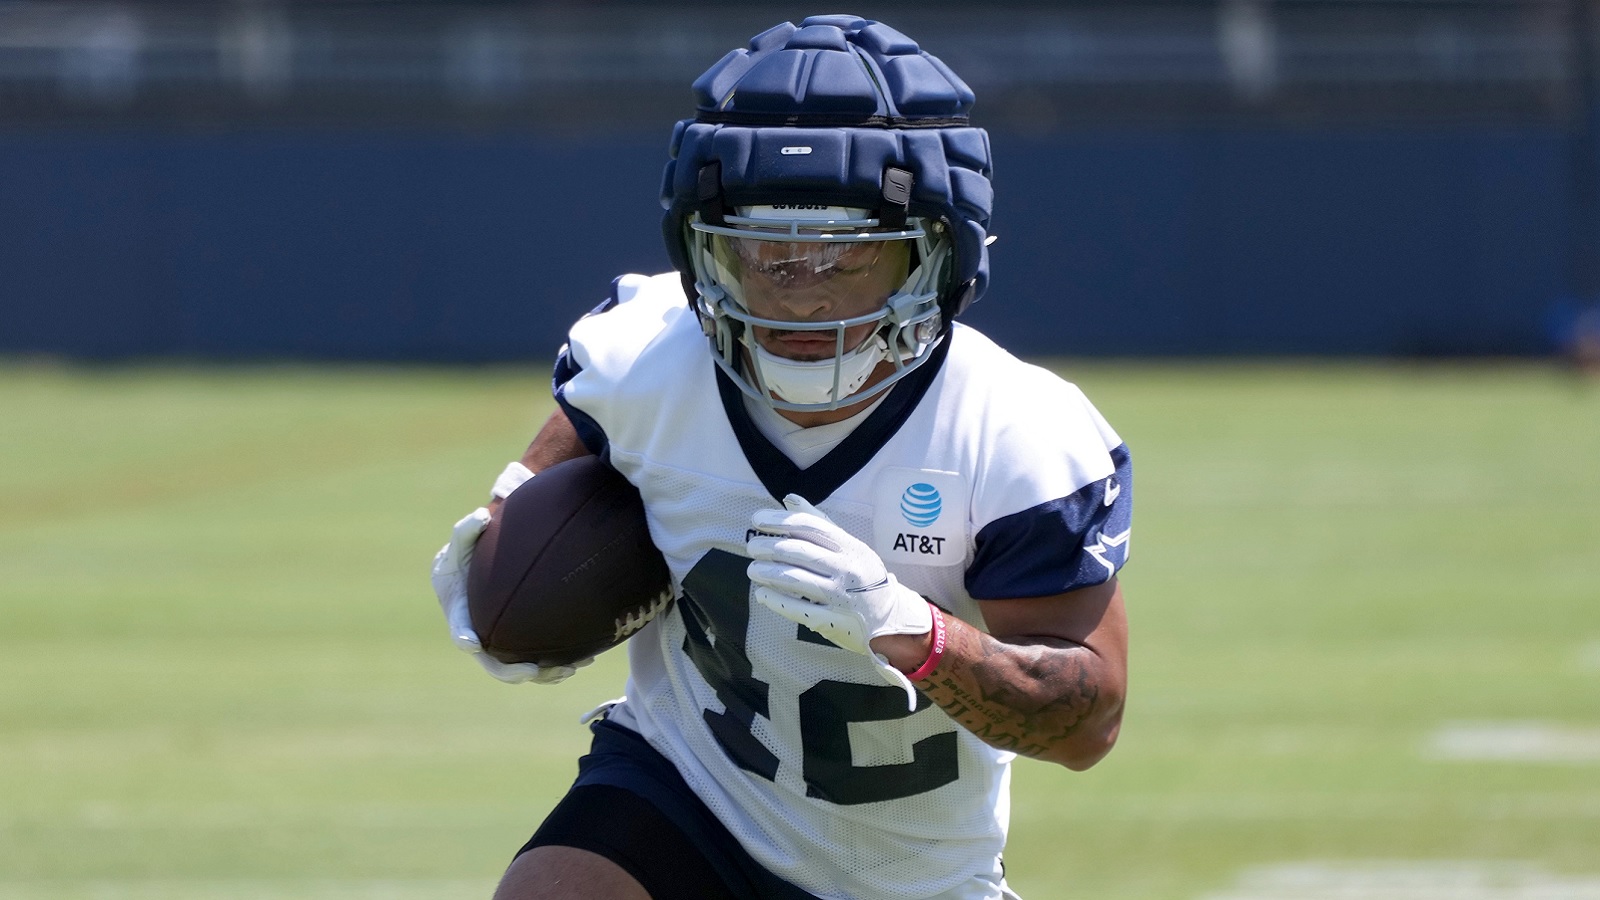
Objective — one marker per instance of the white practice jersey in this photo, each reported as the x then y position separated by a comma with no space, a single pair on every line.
979,477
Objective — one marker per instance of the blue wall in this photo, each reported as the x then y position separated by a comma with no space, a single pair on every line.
1388,242
444,245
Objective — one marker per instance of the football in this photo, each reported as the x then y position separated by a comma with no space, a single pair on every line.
566,569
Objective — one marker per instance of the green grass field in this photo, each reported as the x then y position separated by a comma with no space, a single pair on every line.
222,673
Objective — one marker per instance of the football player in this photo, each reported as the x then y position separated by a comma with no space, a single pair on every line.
894,546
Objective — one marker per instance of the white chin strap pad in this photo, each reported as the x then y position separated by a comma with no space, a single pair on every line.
812,382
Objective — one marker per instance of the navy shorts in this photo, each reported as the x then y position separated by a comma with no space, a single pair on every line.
630,805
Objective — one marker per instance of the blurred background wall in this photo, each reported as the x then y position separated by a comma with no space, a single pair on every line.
458,181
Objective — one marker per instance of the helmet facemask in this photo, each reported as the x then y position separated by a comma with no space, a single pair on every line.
834,291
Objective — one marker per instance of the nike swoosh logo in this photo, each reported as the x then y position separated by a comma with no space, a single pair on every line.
1113,491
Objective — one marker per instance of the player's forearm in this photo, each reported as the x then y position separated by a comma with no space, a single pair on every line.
556,442
1046,698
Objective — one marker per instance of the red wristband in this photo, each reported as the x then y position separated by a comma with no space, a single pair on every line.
937,653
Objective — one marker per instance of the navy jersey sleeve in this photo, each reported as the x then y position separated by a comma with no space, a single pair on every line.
589,431
1059,545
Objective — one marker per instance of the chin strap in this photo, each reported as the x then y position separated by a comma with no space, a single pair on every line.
812,382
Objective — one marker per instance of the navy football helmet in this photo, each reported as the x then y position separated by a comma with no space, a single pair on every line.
831,166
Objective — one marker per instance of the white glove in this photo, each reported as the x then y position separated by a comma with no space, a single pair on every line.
809,570
450,584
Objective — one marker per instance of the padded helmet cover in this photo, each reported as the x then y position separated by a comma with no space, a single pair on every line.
815,114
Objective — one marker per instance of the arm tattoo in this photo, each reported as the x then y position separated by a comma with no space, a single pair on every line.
1028,697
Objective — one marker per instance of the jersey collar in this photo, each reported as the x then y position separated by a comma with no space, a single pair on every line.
780,476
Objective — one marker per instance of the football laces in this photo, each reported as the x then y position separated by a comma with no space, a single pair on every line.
636,619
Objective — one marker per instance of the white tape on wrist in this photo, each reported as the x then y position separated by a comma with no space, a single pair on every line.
514,476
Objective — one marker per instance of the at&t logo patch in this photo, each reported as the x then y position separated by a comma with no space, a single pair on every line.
919,517
920,504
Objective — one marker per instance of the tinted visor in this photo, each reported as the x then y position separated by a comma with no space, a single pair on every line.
831,279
